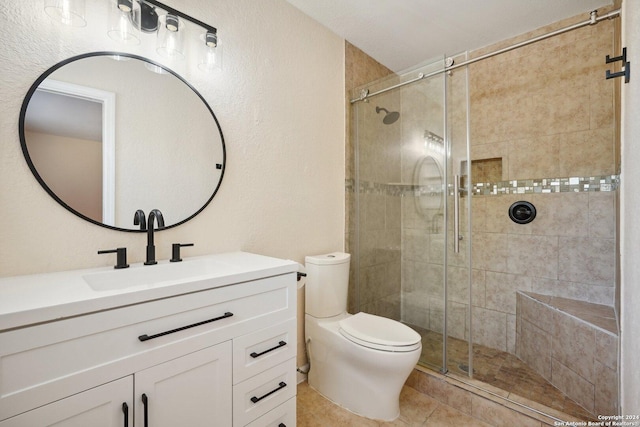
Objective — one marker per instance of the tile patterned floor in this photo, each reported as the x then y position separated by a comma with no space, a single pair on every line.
416,409
499,369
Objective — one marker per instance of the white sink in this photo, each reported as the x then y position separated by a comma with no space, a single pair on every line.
157,275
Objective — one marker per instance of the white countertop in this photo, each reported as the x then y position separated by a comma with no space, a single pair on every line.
30,299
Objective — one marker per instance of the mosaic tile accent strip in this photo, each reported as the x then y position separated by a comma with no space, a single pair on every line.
528,186
549,185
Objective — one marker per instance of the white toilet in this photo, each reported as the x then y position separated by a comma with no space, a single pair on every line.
358,361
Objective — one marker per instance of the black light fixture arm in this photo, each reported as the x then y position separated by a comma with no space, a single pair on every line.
173,11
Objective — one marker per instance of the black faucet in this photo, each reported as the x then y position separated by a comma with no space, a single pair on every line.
138,219
151,248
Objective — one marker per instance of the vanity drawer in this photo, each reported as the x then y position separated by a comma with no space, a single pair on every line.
43,363
264,392
263,349
282,416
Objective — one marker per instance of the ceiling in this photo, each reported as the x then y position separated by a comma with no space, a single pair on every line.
403,33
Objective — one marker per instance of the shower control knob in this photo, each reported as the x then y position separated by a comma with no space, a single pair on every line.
522,212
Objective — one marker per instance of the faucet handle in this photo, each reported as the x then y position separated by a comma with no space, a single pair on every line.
121,258
175,251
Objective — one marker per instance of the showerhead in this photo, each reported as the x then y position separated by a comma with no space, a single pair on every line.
389,117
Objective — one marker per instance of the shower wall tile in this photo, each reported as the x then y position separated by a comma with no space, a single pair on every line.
479,214
501,291
414,245
457,321
490,328
587,260
415,308
573,290
436,248
534,348
393,213
497,211
380,281
576,387
424,277
511,333
606,394
588,153
560,214
535,256
372,212
574,344
436,313
601,107
534,157
493,252
479,288
458,284
602,215
536,314
607,349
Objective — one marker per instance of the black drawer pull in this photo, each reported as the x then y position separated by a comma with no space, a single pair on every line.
280,344
146,337
282,385
125,410
282,425
145,402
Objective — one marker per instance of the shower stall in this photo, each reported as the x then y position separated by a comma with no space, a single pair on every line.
441,155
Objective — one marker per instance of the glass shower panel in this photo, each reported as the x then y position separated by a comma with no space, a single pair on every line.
377,261
423,157
458,253
401,209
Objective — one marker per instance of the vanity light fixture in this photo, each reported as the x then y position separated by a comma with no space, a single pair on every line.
151,16
210,55
128,19
124,21
67,12
170,41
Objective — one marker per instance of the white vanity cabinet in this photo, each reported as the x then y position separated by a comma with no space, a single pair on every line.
221,354
108,405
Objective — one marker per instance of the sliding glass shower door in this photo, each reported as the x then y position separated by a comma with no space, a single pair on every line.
409,236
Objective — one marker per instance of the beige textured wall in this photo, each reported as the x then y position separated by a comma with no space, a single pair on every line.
283,122
629,224
72,168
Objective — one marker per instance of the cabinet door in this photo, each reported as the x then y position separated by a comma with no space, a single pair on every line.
192,390
98,407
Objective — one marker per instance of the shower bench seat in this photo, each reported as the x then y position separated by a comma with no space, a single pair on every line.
573,344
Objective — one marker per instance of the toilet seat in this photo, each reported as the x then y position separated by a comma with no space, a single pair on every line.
379,333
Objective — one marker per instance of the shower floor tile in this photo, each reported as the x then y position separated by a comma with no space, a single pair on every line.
498,369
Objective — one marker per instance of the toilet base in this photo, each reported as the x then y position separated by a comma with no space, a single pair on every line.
364,381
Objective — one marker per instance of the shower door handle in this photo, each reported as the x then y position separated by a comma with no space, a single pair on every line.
456,214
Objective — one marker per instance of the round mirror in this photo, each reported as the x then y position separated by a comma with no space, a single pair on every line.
428,178
107,134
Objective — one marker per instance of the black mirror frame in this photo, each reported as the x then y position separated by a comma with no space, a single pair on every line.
25,151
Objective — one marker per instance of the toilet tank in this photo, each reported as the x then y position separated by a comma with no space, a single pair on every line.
327,284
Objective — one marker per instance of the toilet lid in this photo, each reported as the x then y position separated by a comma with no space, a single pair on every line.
379,332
